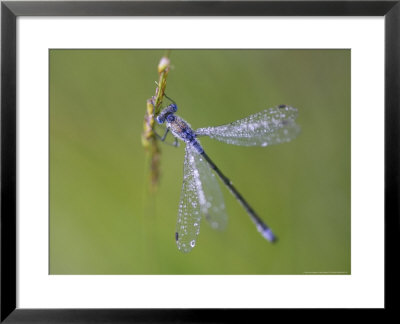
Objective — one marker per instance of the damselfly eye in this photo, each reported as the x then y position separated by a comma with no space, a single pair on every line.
160,119
170,118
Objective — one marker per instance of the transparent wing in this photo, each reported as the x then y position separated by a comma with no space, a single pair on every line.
188,223
211,199
268,127
200,194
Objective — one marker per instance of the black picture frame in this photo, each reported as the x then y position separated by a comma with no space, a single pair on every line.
10,10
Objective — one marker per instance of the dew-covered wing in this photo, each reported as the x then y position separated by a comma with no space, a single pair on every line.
200,195
188,223
211,199
268,127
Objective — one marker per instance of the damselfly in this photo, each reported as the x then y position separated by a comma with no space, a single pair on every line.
200,193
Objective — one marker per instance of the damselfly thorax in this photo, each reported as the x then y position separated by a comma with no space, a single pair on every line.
180,128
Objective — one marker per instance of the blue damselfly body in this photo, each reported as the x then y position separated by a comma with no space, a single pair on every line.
200,193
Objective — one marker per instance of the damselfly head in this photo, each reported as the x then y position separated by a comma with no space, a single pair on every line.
166,113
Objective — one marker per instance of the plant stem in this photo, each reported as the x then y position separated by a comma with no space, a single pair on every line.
153,107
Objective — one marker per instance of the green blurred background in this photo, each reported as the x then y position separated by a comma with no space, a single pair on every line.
103,220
